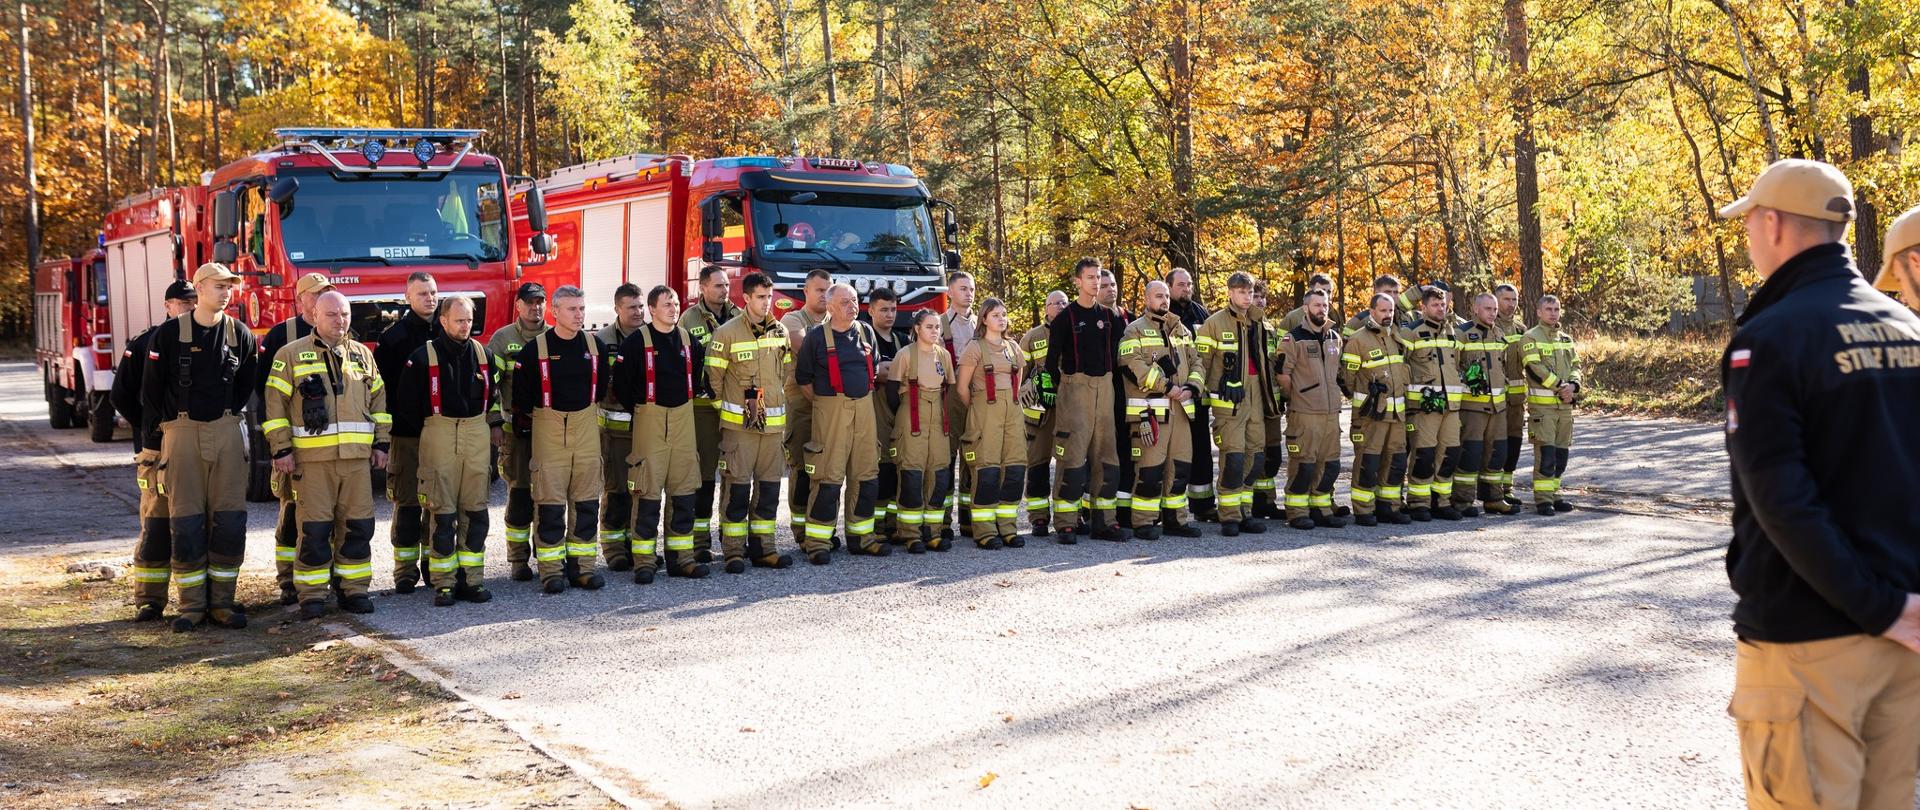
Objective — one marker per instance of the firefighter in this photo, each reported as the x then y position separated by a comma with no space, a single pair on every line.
419,325
1900,269
993,445
1483,421
1187,307
747,367
835,369
1311,373
1164,382
516,448
286,533
1037,397
1512,331
616,439
922,434
1384,285
883,313
799,406
446,392
199,375
326,419
1433,406
1265,483
556,406
1374,365
1553,386
958,325
1082,349
1122,503
151,555
657,374
1233,361
713,307
1298,315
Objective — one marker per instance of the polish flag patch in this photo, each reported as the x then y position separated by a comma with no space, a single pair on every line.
1740,358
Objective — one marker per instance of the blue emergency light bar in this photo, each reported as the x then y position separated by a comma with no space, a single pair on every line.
372,143
360,133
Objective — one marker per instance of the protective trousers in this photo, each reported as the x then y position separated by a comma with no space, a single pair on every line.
1083,437
1379,463
616,503
286,531
1436,452
203,472
1516,436
922,458
799,433
887,502
515,458
566,471
153,553
1039,465
706,439
453,484
958,470
326,494
1241,434
1552,434
1160,469
403,491
1200,474
1313,457
993,447
841,467
1266,483
664,465
1483,442
751,466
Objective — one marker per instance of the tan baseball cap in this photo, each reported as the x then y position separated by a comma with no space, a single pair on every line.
1805,187
215,271
312,283
1904,233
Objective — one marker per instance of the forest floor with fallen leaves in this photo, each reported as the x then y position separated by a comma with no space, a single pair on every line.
96,710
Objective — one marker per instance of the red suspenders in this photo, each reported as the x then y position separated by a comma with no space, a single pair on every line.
833,361
686,359
546,378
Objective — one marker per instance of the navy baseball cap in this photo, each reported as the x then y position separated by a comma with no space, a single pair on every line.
531,291
180,290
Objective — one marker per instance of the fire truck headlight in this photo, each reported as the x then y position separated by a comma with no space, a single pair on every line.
423,150
373,151
103,343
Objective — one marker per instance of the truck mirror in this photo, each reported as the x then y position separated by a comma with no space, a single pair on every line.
537,210
710,252
951,259
282,190
710,227
226,216
951,226
225,252
543,244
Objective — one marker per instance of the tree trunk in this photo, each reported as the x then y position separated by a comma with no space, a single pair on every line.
1185,236
1706,200
1526,175
833,84
106,113
1753,83
31,220
1866,225
878,118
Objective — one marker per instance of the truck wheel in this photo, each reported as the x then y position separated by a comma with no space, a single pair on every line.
59,408
259,464
102,421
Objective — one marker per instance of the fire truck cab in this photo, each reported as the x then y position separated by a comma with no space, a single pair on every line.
73,341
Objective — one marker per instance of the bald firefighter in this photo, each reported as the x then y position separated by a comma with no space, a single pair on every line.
1483,417
1374,365
1233,360
556,405
151,554
798,323
1553,386
1434,392
658,374
326,419
1163,383
1312,372
616,439
747,366
1038,394
286,533
445,393
835,369
515,446
712,306
1513,331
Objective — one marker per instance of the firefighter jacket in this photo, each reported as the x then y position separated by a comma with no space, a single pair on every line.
505,347
1033,354
1433,367
1551,363
325,402
1233,360
1156,356
614,418
701,322
750,362
1374,365
1483,367
1310,367
1513,332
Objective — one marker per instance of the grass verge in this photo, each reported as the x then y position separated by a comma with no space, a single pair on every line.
1664,375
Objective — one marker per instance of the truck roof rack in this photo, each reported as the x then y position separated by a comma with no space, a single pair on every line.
609,169
371,143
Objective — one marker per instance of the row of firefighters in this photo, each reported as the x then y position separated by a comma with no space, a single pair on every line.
621,444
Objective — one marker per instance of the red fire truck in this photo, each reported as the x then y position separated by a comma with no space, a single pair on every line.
658,219
73,342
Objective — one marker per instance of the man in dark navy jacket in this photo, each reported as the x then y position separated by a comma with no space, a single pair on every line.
1823,383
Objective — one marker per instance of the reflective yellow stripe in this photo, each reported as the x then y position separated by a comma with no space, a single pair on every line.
272,425
280,385
354,570
303,369
333,440
382,418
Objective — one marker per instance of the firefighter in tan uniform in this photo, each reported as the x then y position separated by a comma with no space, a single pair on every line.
799,407
151,554
883,313
835,367
1298,315
658,374
1374,365
712,307
199,375
747,365
556,403
1266,488
516,447
286,532
1311,371
447,388
958,325
1233,359
326,418
1483,420
1083,344
407,527
1434,392
616,436
1553,386
994,443
922,434
1512,331
1163,385
1037,396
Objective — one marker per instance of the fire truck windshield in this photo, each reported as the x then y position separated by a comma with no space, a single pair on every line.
852,227
457,215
